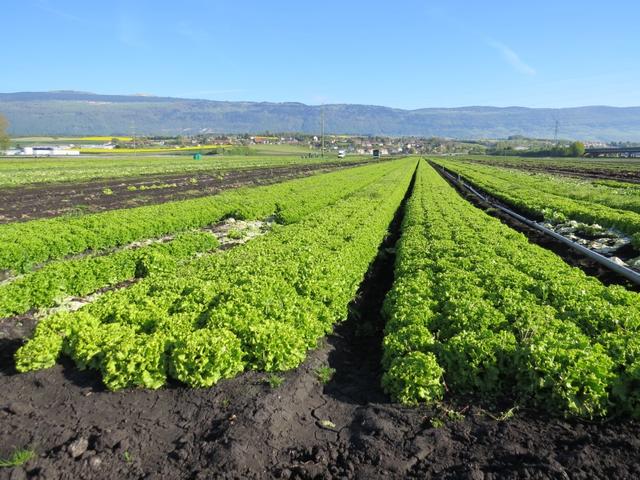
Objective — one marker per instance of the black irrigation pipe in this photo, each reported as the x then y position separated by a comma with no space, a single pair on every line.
627,273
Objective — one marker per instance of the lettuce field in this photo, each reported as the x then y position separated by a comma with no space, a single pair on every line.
373,321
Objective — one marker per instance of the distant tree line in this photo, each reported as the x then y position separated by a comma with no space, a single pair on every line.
237,150
575,149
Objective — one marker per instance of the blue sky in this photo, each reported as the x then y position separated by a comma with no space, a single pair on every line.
406,54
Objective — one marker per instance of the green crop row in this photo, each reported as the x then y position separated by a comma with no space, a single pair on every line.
260,306
23,245
557,199
19,171
618,195
82,276
597,166
77,277
477,308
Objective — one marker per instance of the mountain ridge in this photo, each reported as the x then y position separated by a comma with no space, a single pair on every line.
68,112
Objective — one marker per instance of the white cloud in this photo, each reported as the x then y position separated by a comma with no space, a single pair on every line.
512,58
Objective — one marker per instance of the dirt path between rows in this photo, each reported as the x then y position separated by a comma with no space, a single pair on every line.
303,429
51,200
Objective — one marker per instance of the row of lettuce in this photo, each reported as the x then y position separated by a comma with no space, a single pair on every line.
597,166
25,245
475,308
57,280
556,199
259,306
21,171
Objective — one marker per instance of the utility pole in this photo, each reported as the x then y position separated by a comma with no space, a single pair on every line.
555,135
322,132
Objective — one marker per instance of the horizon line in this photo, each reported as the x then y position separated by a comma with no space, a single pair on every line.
152,96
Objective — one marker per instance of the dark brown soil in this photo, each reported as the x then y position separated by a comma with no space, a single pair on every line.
243,428
50,200
302,429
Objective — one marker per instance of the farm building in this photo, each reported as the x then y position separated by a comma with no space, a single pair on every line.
48,151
